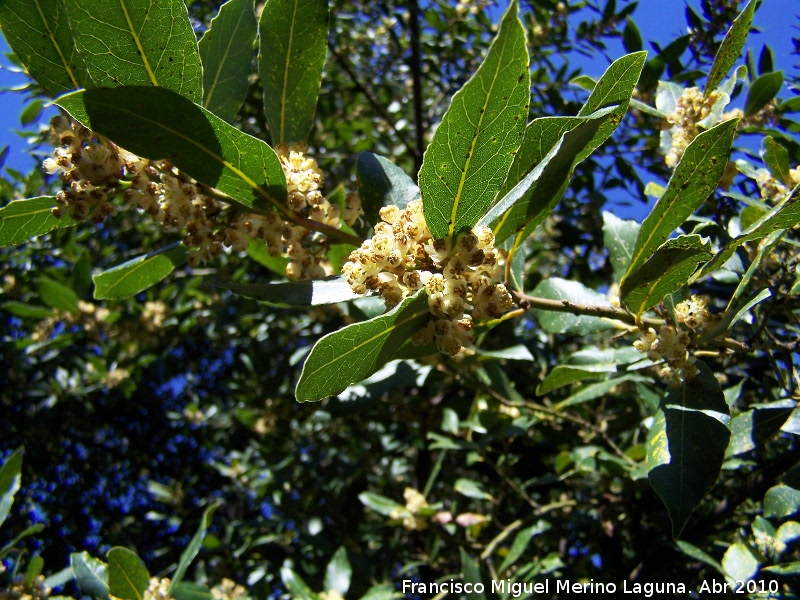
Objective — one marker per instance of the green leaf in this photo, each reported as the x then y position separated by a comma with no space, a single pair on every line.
785,569
521,542
27,532
90,573
562,375
35,565
39,33
665,272
471,489
157,123
295,293
338,572
383,591
762,91
731,47
296,586
26,311
188,555
10,479
293,41
631,38
571,291
739,563
619,237
382,183
781,501
259,252
472,574
138,274
125,42
474,145
227,54
57,295
355,352
380,504
127,576
694,179
686,445
21,220
752,428
596,390
776,157
694,552
191,591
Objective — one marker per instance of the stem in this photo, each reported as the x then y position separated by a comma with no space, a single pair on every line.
416,73
565,306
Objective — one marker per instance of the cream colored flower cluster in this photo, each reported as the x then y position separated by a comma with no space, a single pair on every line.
158,589
402,258
228,589
773,190
415,502
20,589
692,107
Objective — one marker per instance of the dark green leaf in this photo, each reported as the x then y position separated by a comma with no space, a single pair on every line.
472,574
766,61
631,38
596,390
21,220
666,271
138,274
731,47
91,574
355,352
521,542
694,179
157,123
575,292
27,532
338,572
57,295
380,504
474,145
10,479
26,311
125,42
127,576
187,556
191,591
39,33
293,38
381,183
776,157
295,293
259,252
227,54
762,91
752,428
619,238
562,375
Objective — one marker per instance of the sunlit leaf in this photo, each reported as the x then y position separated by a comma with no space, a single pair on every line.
157,123
473,146
91,574
227,54
355,352
125,42
762,91
338,572
10,479
296,586
739,562
380,504
571,291
295,293
138,274
753,427
188,555
471,489
127,576
21,220
776,157
619,237
293,37
731,47
381,183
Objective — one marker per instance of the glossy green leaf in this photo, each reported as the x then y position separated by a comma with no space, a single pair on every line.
157,123
355,352
188,555
762,91
686,445
382,183
90,573
57,295
776,157
338,572
138,274
752,428
227,54
731,47
781,501
665,272
21,220
296,293
471,489
575,292
296,586
380,504
739,562
293,41
474,145
10,479
619,237
125,42
39,33
127,576
694,179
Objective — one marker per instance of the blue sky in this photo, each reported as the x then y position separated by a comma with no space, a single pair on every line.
658,20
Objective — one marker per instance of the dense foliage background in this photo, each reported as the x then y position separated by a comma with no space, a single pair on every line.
138,414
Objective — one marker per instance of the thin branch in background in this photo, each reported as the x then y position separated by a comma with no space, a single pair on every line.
416,73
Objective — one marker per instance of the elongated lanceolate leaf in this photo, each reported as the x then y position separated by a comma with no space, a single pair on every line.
39,33
293,41
731,47
296,293
134,276
619,237
90,573
128,42
358,350
193,548
473,147
127,576
158,123
21,220
227,53
694,179
381,183
776,157
10,479
666,271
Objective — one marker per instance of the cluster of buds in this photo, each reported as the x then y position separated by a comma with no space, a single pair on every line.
21,589
415,502
670,344
228,589
773,190
692,107
158,589
460,278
